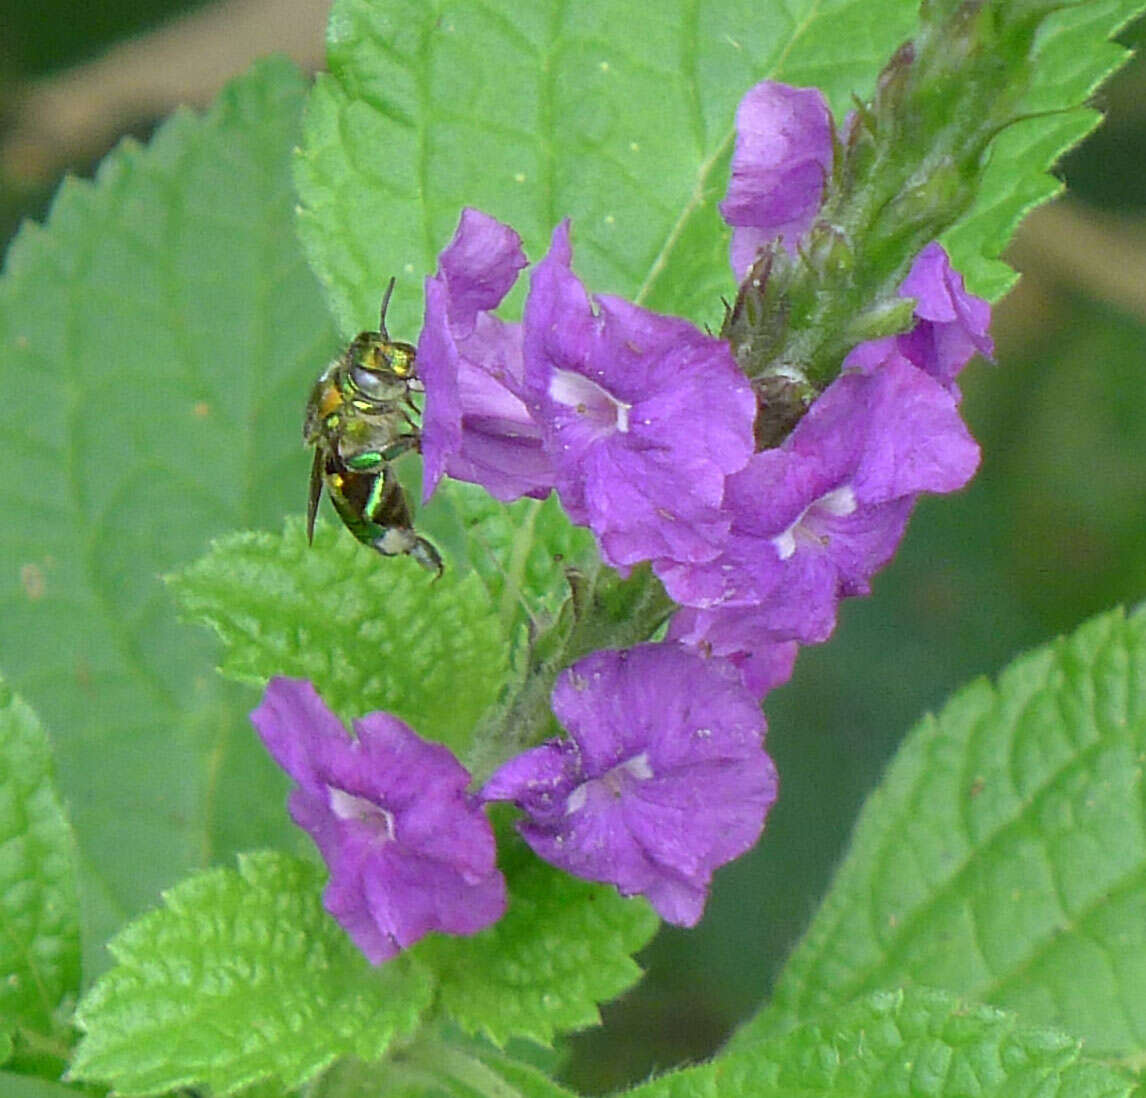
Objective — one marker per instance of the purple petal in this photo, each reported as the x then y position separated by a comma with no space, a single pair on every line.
439,363
763,501
479,266
475,425
782,158
916,440
409,851
665,780
295,725
538,780
951,324
643,417
741,636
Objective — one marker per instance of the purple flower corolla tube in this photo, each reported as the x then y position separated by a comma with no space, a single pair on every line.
950,324
663,780
409,851
781,161
643,416
475,425
815,518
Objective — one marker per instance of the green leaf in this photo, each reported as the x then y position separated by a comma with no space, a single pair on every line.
520,550
369,633
902,1043
611,112
241,976
563,946
39,916
1074,55
20,1086
437,1066
1004,855
157,339
561,112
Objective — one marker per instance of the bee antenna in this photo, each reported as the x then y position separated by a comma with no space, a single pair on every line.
382,311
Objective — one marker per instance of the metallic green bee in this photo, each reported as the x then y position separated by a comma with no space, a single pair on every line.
360,417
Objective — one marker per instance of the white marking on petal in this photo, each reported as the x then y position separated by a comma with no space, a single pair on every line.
577,799
567,387
347,806
587,398
838,503
785,543
638,766
612,781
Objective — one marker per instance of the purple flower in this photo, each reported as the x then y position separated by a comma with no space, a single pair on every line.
409,850
643,415
663,780
814,519
475,426
781,162
951,324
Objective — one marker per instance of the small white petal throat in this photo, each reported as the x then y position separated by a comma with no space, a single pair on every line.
612,781
838,503
587,398
347,806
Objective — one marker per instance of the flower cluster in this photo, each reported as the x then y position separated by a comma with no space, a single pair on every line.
644,426
664,779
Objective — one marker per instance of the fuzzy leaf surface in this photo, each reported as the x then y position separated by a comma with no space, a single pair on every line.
39,916
1004,855
563,947
438,1067
520,550
610,112
241,976
900,1044
369,633
551,113
22,1086
1074,55
157,339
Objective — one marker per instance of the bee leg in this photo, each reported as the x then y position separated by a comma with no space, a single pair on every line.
402,445
427,556
397,541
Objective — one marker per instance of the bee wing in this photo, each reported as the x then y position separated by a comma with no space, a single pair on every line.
316,471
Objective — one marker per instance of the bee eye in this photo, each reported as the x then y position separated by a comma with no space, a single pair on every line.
368,382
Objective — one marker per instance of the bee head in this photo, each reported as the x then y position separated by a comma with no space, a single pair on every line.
378,369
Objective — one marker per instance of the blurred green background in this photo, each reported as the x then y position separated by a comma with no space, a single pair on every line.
1051,531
